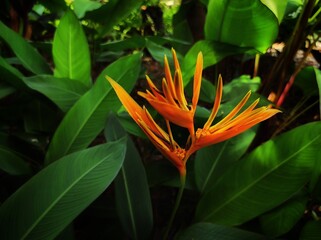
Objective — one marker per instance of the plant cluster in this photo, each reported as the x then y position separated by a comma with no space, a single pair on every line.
102,137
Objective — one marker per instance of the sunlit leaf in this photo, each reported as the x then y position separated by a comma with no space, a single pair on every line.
49,201
265,178
70,50
248,23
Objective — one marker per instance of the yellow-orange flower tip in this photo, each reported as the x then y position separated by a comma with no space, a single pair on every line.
197,79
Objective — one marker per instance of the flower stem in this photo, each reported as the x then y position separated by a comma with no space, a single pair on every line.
177,203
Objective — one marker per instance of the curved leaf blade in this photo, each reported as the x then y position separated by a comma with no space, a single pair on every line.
50,200
236,22
205,231
63,92
70,50
87,118
29,57
133,201
209,169
282,219
264,179
12,163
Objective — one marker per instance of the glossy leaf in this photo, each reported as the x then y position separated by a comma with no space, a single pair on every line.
236,22
264,179
206,231
62,91
133,201
70,50
12,163
86,119
211,162
282,219
28,56
83,6
51,199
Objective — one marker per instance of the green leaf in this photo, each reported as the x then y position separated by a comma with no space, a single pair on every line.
49,201
265,178
86,119
248,23
83,6
12,163
211,162
70,50
206,231
307,80
311,231
213,52
28,56
62,91
282,219
133,201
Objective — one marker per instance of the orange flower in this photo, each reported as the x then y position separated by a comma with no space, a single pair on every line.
172,105
163,141
171,102
232,124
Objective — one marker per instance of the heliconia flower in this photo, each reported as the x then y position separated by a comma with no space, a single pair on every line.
172,105
233,124
163,141
171,102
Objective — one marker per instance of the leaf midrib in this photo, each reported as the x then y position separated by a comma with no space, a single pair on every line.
259,179
51,206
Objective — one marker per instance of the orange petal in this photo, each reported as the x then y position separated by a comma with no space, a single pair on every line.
129,103
217,102
172,113
168,76
197,80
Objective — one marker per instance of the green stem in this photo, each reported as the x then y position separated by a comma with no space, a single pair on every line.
177,203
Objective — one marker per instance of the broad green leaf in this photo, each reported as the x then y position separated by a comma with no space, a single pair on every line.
277,7
70,50
282,219
133,201
264,179
248,23
158,52
49,201
206,231
86,119
211,162
83,6
11,75
62,91
28,56
130,125
311,231
12,163
213,52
